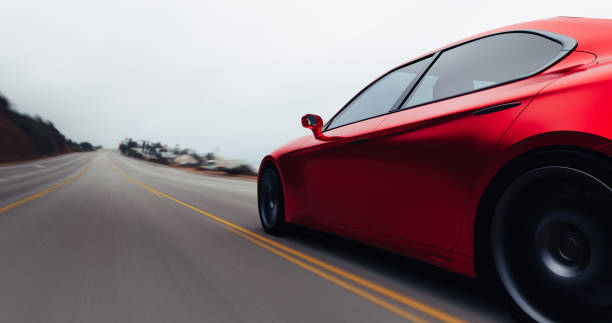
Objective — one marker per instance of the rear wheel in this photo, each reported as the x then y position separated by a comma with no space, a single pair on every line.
551,239
271,203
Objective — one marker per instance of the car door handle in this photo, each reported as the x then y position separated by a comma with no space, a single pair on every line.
360,140
496,108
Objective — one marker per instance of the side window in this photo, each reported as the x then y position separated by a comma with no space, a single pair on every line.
380,96
482,63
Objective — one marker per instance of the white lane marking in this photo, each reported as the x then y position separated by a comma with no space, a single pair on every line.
39,166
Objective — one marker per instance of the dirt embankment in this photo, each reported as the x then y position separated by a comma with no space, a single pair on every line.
23,137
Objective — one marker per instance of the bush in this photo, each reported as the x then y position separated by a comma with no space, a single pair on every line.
85,146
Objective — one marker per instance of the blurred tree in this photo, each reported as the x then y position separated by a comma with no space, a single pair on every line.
86,146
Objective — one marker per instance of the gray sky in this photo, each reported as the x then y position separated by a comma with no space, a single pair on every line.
236,75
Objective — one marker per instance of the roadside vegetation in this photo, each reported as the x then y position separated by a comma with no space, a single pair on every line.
187,158
25,137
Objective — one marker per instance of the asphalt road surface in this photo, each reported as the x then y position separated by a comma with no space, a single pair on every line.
99,237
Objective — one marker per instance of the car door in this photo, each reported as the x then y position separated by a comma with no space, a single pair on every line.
331,170
426,156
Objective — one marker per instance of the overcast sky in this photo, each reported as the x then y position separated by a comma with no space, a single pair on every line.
229,75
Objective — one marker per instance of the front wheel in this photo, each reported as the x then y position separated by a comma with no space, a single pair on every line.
271,203
551,239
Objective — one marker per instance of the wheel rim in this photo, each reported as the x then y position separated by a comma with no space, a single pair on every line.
554,262
269,198
562,246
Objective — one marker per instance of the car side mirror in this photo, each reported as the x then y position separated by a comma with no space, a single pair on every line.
312,121
315,123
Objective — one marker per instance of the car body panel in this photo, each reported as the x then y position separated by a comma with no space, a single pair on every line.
428,157
321,169
415,185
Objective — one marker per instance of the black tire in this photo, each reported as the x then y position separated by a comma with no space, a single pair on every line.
550,238
271,203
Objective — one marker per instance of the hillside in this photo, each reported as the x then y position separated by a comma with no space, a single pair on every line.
23,137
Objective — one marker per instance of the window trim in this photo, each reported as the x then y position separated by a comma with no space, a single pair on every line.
568,44
410,88
397,103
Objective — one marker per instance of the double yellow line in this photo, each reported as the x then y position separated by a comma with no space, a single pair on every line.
48,190
351,282
348,281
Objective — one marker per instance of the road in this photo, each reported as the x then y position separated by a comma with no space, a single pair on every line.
99,237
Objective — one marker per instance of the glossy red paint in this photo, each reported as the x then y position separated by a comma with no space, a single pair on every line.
411,181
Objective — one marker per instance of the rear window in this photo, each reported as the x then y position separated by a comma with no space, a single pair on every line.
484,63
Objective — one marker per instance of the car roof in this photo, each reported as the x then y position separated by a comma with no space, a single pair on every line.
592,35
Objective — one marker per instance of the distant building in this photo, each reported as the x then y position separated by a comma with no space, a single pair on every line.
186,160
227,163
210,162
168,155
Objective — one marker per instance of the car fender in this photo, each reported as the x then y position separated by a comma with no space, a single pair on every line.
572,112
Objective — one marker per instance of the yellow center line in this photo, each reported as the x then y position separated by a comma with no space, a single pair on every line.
389,306
284,250
46,191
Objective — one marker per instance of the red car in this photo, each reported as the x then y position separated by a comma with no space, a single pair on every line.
490,157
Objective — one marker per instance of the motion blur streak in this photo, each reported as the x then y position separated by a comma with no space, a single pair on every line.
269,245
48,190
393,308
